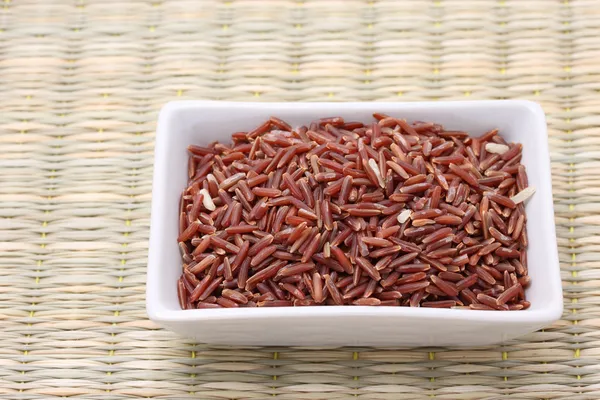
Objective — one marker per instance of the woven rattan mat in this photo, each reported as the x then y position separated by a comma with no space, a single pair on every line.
80,86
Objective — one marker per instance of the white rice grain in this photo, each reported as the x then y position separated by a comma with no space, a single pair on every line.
207,200
523,195
496,148
404,216
375,168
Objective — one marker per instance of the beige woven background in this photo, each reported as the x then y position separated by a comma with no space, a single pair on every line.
81,83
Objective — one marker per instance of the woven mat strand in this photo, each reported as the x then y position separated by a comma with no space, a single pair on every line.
80,86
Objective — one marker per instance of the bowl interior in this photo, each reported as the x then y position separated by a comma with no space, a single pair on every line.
185,123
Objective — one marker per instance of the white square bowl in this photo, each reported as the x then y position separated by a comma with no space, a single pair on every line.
200,122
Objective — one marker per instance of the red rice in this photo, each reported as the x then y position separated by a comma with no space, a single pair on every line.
310,216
